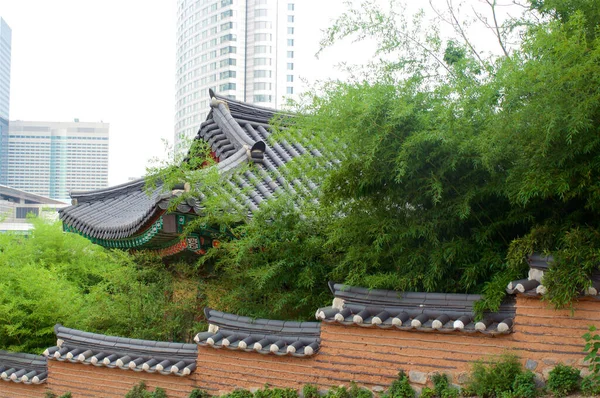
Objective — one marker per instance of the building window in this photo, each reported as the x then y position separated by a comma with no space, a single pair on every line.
290,7
290,42
225,3
263,37
227,86
290,31
227,26
262,86
226,62
262,25
228,50
290,78
290,66
290,18
262,73
262,49
262,61
260,13
290,90
227,74
227,14
262,98
229,37
290,54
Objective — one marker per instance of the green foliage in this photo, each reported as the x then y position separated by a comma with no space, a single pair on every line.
310,391
50,394
592,344
450,169
590,386
238,393
427,392
503,377
197,393
400,388
140,391
55,277
563,380
442,387
268,392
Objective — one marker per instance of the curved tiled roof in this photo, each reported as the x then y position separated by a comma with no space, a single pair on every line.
118,352
299,339
533,285
238,133
23,368
113,213
443,312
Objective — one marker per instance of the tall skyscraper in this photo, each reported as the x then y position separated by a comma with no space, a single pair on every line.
53,158
243,49
5,53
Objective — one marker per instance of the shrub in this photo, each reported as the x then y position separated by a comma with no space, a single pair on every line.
501,379
590,386
267,392
239,393
338,392
427,392
563,380
139,391
310,391
524,385
400,388
197,393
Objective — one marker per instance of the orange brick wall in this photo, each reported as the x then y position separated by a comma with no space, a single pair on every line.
8,389
546,337
371,357
93,381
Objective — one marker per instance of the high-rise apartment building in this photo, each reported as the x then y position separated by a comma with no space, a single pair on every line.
5,54
243,49
53,158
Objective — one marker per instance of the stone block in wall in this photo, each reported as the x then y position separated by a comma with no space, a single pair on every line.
417,377
531,364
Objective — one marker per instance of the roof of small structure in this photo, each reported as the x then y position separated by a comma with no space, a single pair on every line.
442,312
235,332
23,368
118,352
238,134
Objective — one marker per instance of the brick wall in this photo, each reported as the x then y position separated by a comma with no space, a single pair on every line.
371,357
546,337
93,381
8,389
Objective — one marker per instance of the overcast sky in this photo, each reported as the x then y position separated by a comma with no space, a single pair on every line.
114,61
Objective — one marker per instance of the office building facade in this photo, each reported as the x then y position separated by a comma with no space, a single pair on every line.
53,158
242,49
5,56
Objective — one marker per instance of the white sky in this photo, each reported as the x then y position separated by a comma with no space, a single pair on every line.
114,61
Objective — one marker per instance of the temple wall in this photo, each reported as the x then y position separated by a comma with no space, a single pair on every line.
546,337
371,357
95,381
9,389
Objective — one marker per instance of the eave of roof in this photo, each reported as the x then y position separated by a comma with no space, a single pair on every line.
118,352
428,312
23,368
298,339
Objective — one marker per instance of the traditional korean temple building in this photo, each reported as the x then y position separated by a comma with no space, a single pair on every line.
129,217
365,336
